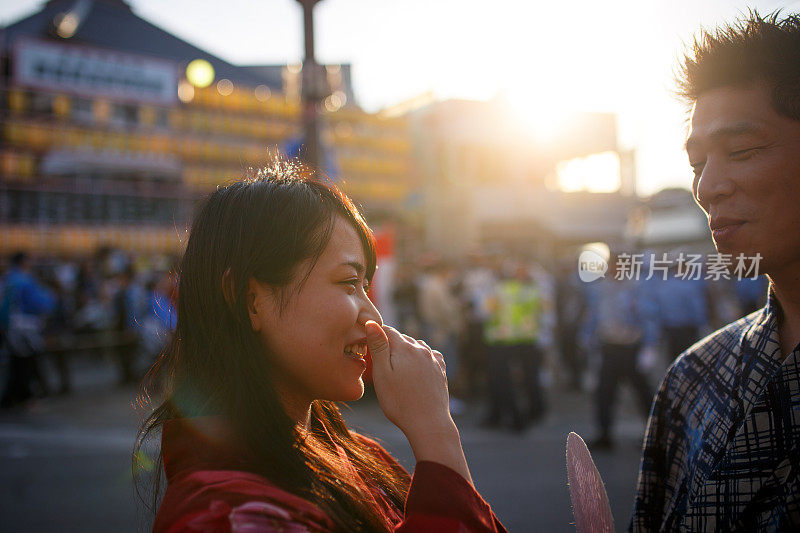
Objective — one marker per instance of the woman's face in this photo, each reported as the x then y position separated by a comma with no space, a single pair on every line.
317,342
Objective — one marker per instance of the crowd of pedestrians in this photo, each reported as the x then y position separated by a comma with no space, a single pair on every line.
509,328
110,305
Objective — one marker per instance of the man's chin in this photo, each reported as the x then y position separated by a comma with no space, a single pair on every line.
752,258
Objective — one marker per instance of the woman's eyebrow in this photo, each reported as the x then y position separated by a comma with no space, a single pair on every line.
360,269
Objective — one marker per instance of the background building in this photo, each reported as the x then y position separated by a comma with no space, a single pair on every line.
490,182
105,142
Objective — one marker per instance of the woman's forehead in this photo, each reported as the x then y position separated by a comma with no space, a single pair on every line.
344,246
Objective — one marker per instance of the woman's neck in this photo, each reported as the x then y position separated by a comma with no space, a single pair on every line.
297,409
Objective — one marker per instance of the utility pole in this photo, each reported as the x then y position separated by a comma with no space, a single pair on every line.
313,90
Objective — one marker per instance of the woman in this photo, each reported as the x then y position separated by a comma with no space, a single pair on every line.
273,326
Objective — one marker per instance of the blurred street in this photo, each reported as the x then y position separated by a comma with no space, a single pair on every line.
65,460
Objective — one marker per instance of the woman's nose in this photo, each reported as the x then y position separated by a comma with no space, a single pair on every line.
369,312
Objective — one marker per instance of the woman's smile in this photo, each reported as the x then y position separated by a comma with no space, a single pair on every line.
322,323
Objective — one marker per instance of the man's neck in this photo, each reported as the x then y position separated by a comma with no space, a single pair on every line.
786,284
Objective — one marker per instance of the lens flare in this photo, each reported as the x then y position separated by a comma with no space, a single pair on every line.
200,73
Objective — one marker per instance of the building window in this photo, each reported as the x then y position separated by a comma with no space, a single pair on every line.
125,115
82,109
161,119
41,103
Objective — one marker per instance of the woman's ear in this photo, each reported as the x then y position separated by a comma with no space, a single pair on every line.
255,300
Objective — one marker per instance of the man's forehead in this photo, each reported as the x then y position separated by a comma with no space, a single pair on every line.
721,129
730,111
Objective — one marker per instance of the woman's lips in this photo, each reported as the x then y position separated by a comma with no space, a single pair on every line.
357,352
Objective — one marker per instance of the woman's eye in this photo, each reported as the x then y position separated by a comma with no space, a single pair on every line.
352,284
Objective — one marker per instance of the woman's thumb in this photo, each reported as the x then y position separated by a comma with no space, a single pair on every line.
378,344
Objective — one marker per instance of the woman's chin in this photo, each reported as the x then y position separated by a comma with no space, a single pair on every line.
356,393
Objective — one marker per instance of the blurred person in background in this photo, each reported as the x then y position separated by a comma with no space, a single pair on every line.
751,293
622,325
129,308
24,305
273,328
406,300
570,313
95,293
517,332
722,448
58,328
682,310
159,317
478,282
440,312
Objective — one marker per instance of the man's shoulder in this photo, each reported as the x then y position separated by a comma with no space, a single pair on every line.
706,370
713,349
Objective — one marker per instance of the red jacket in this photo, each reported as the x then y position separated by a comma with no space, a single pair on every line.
207,493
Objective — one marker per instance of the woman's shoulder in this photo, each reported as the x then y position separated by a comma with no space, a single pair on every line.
218,500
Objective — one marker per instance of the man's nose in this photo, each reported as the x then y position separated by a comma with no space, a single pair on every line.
713,184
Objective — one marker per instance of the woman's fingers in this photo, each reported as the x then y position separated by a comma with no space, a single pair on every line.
378,343
436,355
439,359
409,338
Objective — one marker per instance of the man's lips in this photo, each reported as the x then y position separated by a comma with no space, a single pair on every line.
720,223
723,228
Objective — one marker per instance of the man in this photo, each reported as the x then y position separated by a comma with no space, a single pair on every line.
440,311
518,331
23,304
622,323
722,449
570,314
682,309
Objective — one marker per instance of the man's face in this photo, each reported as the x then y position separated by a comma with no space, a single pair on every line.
746,161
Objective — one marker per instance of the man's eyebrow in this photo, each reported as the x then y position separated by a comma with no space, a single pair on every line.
731,130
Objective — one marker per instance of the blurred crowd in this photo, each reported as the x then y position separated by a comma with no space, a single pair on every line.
510,328
111,305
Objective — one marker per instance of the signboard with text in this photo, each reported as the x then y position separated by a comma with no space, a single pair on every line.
94,72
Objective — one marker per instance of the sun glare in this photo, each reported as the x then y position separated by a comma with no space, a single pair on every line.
545,117
594,173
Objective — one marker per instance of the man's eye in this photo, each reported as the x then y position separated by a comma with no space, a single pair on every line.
738,155
697,168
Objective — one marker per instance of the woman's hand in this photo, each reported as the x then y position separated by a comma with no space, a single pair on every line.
411,386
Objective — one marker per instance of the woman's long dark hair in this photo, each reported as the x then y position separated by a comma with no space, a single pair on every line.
263,227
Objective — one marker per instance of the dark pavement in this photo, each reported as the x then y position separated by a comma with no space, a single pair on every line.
65,461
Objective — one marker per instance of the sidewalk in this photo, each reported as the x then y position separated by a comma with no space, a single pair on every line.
65,461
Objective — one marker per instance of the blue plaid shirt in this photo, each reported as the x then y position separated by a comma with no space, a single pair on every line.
722,448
